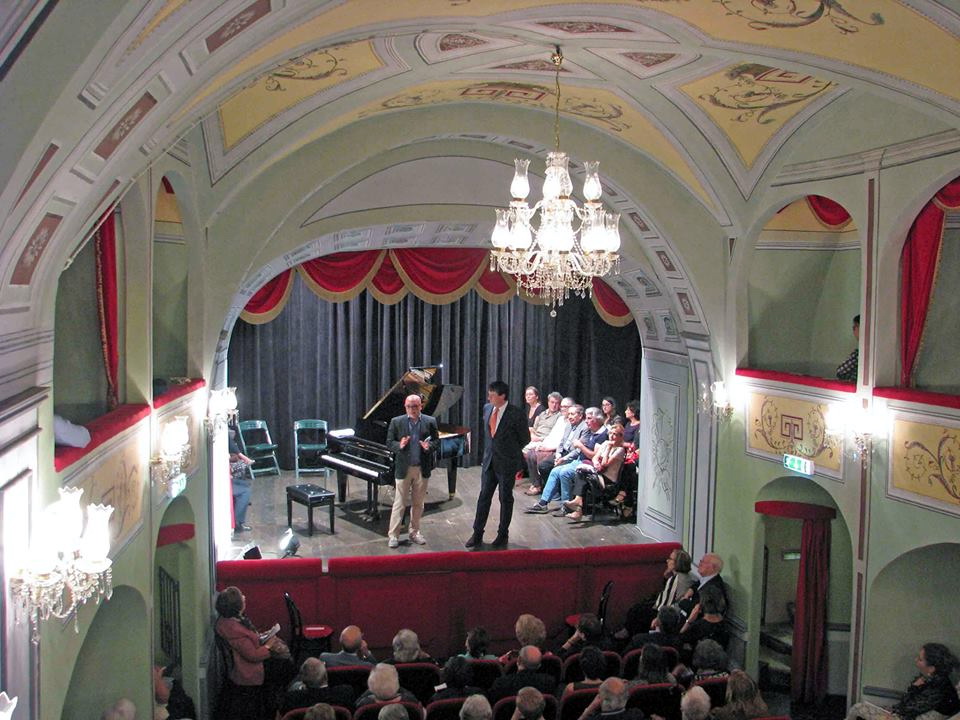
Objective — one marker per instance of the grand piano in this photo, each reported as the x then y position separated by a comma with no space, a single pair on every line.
362,452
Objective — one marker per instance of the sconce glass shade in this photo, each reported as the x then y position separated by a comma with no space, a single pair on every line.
96,539
520,186
69,522
7,706
175,435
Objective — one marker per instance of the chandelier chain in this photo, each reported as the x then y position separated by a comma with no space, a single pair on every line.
557,62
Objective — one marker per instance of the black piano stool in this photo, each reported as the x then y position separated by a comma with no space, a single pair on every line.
312,496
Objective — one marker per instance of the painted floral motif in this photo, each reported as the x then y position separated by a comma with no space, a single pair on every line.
782,433
459,41
532,66
789,14
940,466
317,65
661,448
649,59
755,92
574,27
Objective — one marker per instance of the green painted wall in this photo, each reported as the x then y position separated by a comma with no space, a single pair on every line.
936,367
80,386
801,303
169,309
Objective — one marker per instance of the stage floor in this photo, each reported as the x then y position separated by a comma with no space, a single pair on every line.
446,525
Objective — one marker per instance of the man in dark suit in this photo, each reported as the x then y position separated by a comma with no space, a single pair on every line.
505,432
413,438
527,675
311,688
709,569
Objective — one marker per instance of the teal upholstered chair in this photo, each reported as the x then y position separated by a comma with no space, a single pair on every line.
309,441
260,448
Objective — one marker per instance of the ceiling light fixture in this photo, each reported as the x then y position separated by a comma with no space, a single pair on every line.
557,256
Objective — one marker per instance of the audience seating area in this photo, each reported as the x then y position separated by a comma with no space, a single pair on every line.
442,595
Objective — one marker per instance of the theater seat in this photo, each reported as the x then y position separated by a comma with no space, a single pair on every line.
485,672
504,708
716,688
631,661
420,678
661,699
370,712
448,709
353,675
573,705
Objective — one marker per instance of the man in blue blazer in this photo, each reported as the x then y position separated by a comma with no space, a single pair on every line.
413,438
505,432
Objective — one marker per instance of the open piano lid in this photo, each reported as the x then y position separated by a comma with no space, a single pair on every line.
437,398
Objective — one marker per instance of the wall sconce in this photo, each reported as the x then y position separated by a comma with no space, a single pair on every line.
862,424
174,451
221,410
7,706
67,565
715,401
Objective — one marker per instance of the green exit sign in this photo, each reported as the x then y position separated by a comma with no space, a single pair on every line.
798,464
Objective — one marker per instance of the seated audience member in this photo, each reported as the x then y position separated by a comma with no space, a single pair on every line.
631,427
457,680
603,471
478,640
709,661
593,665
527,674
589,632
406,648
320,711
581,445
249,655
608,406
654,667
540,456
311,687
678,584
695,704
530,704
383,685
476,707
669,620
529,630
611,702
241,484
353,650
931,692
534,407
709,569
847,370
393,712
545,420
706,619
743,699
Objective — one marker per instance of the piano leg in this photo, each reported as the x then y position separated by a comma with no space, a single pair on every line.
342,485
452,476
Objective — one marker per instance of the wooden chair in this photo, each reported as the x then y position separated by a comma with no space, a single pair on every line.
662,699
485,672
504,708
259,447
573,620
448,709
573,705
305,640
370,712
420,678
353,675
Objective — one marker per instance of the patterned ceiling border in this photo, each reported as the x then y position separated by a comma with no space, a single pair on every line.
437,47
646,64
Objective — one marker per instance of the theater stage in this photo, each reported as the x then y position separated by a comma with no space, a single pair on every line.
446,524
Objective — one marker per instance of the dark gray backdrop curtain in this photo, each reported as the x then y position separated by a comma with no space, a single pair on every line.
334,360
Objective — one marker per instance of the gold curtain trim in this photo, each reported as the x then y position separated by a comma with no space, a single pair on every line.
263,318
497,298
609,318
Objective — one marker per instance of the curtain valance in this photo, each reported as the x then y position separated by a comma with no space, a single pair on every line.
827,211
437,276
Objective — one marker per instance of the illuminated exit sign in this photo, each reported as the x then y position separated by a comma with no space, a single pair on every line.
798,464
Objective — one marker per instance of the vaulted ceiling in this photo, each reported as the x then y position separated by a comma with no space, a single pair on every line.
695,107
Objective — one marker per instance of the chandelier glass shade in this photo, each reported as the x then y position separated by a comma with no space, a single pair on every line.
556,246
67,565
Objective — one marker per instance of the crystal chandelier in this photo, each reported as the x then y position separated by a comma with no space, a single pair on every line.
66,565
558,256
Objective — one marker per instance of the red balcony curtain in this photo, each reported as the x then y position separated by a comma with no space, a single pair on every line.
827,211
268,301
809,672
105,250
919,261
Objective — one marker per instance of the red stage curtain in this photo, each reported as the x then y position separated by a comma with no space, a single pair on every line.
341,276
495,287
268,301
808,676
440,275
918,271
387,286
609,305
827,211
105,249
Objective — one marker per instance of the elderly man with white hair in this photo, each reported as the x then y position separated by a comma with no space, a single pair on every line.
476,707
311,687
695,704
611,702
708,569
406,648
383,685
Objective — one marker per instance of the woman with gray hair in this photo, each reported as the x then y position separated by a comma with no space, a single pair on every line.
406,648
476,707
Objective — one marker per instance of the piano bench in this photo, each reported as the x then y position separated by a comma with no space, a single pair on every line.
312,496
